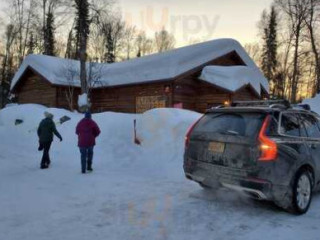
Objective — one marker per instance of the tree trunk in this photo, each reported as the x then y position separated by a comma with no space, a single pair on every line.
83,56
27,31
309,24
316,58
83,74
45,40
295,77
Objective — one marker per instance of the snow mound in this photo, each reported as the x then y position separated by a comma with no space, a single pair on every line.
30,114
161,132
314,103
83,100
233,78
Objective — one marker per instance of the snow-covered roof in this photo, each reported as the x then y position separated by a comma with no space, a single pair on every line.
166,65
232,78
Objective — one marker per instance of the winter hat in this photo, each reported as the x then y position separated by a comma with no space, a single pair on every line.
48,115
87,115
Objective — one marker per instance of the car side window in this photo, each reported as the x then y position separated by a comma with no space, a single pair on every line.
290,125
311,125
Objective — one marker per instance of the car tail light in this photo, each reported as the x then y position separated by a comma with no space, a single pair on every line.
268,147
187,137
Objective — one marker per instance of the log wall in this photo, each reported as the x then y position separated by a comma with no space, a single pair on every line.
67,97
245,94
35,89
198,95
124,99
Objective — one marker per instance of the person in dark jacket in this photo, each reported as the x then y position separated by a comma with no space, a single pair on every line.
45,132
87,131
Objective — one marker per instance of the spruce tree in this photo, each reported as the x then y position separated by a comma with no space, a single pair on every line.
270,46
82,28
31,44
49,46
70,50
139,53
110,57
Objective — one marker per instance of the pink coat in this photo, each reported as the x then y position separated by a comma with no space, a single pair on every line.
87,131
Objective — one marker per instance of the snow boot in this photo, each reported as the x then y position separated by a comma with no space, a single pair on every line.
89,165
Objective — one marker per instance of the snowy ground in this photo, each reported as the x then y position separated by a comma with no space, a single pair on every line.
135,192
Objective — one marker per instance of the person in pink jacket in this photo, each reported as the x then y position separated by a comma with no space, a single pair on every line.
87,131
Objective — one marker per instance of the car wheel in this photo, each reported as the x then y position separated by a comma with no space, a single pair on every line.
302,192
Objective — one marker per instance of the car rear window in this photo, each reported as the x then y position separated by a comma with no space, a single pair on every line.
242,124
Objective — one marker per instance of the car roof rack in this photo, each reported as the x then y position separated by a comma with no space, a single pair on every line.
283,104
302,106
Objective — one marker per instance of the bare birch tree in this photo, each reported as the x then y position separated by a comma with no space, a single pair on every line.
296,11
144,45
113,29
164,41
71,74
311,21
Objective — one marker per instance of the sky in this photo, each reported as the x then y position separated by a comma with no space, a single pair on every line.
197,20
191,20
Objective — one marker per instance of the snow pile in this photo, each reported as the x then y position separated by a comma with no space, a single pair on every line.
83,100
232,78
314,103
166,65
162,133
30,114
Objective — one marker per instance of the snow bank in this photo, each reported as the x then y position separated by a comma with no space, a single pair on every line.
161,132
314,103
30,114
233,78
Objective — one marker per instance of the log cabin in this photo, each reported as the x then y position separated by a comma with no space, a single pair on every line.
195,77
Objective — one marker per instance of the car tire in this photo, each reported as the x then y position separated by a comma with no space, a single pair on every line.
302,192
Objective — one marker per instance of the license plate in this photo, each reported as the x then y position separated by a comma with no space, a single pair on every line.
216,147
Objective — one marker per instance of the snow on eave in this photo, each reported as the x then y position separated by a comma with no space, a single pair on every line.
155,67
45,66
234,78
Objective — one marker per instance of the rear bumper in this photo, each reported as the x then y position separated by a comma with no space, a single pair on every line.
235,179
259,190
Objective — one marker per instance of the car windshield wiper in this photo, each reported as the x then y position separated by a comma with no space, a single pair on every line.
233,132
229,132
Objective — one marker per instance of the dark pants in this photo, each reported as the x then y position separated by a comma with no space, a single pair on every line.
45,161
86,157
